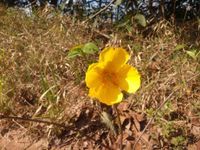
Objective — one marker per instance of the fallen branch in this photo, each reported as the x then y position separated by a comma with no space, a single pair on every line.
50,123
32,120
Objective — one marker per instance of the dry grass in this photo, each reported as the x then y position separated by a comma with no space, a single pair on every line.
38,81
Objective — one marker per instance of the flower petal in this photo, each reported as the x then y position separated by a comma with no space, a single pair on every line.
114,57
93,75
129,79
107,94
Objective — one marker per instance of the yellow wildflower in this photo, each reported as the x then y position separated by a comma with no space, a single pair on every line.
110,75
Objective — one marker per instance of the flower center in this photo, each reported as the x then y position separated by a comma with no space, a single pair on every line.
110,77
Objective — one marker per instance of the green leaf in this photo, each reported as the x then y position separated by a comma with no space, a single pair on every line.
193,53
179,140
140,19
75,51
80,50
180,47
90,48
106,118
47,90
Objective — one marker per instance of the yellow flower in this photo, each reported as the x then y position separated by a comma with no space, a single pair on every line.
108,77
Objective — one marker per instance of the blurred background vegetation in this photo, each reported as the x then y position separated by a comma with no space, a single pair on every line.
116,9
46,47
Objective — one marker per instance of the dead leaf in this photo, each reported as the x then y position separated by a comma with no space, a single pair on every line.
195,121
138,146
194,146
123,106
136,124
139,117
128,146
195,130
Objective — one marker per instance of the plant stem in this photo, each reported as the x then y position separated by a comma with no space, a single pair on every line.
120,126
